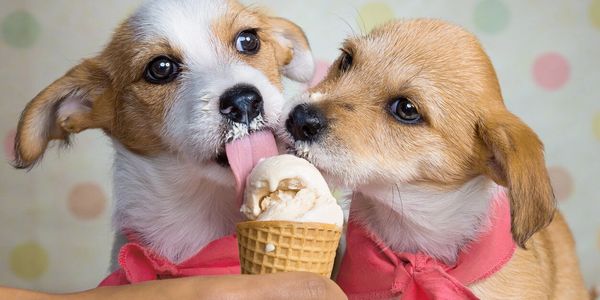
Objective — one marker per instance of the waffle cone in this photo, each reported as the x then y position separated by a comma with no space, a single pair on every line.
283,246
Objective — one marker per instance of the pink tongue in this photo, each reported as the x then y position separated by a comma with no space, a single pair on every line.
243,154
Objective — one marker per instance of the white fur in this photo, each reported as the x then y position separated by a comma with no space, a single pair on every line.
72,105
410,218
173,204
196,127
316,97
302,66
184,23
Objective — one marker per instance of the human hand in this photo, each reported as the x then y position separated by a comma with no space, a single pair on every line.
289,286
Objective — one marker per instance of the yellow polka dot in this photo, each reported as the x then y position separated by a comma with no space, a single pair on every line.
596,125
595,13
373,14
28,261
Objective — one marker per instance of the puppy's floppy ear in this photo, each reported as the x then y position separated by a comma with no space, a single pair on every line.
66,106
298,63
517,162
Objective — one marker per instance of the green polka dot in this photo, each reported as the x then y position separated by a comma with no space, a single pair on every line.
28,261
20,29
595,13
596,125
491,16
373,14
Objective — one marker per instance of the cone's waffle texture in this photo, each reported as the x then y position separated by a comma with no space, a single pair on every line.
282,246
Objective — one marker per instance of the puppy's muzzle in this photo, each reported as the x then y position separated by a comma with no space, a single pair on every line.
306,123
241,104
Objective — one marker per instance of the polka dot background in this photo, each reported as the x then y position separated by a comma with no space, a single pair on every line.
491,16
596,125
594,13
562,182
87,201
9,144
55,218
28,261
20,29
551,71
373,14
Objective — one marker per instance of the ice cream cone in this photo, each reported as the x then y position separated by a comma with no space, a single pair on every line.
284,246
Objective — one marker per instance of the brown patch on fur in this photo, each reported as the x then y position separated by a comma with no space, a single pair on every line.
120,101
517,161
349,107
274,53
140,107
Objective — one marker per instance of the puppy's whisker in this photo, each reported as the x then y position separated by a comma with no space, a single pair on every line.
352,32
401,204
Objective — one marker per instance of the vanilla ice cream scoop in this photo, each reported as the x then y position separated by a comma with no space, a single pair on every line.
288,188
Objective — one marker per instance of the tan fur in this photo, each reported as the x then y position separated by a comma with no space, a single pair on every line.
467,132
548,269
121,102
272,54
443,71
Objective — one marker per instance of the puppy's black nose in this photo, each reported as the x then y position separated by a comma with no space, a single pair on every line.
241,103
305,122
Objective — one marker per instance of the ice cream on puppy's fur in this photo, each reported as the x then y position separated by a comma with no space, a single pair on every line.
295,222
288,188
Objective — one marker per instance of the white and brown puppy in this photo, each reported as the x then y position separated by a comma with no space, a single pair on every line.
178,80
411,117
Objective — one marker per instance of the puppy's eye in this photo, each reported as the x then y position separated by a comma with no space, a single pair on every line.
247,42
346,61
405,111
161,70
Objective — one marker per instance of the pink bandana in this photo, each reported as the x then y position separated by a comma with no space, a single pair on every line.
139,264
370,270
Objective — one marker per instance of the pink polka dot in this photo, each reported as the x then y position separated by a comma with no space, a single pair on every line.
551,71
562,182
321,68
9,144
87,201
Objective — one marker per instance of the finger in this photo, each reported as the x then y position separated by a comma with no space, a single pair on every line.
17,294
291,286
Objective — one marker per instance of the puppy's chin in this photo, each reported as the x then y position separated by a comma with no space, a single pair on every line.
218,173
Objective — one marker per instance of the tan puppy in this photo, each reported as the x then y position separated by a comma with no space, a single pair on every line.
411,117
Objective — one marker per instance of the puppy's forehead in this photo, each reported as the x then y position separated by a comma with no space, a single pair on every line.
443,54
186,25
419,40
